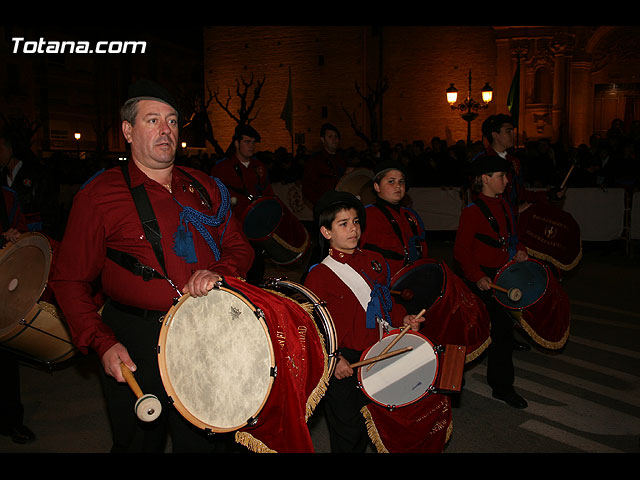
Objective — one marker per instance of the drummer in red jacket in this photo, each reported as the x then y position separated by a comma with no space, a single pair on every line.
393,230
486,241
246,177
353,284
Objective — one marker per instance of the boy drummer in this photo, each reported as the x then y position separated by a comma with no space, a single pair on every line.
486,241
354,285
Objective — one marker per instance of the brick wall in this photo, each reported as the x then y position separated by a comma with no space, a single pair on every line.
325,63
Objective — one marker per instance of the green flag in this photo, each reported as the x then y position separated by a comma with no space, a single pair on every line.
287,110
513,99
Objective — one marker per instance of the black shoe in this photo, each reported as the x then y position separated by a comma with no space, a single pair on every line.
512,399
20,434
521,347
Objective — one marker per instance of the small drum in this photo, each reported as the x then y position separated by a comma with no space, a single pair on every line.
271,226
246,360
530,277
403,379
454,315
28,324
310,302
544,309
359,182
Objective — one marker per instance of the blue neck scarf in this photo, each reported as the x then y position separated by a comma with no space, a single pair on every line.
183,238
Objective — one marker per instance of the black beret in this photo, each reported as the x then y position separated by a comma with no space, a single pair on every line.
334,197
489,164
149,90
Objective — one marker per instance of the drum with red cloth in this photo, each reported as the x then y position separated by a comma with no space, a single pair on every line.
409,413
550,234
454,315
543,309
359,182
246,360
30,322
272,227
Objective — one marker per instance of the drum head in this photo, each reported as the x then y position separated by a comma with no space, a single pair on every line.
262,218
24,272
216,360
360,183
403,379
530,277
426,282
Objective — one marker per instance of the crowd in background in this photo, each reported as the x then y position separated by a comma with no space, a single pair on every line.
608,161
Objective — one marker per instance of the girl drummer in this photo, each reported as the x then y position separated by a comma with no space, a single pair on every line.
393,229
346,280
485,241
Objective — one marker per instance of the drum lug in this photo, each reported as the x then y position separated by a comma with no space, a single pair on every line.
252,421
259,313
439,348
274,371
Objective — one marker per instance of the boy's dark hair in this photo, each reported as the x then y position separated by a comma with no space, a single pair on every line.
493,124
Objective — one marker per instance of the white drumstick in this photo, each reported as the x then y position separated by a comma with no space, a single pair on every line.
147,407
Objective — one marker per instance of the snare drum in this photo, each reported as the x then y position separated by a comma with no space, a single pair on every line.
412,381
403,379
544,309
454,315
29,325
245,360
271,226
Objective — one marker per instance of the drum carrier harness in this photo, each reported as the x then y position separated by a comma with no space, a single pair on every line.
412,251
509,243
151,230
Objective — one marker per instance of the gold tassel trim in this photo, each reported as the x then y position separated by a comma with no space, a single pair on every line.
372,431
252,443
537,338
548,258
470,357
291,247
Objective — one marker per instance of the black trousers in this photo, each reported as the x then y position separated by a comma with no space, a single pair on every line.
500,369
139,333
342,403
11,408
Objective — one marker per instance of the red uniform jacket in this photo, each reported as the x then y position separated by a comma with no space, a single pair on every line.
322,171
380,235
103,215
472,253
346,311
242,181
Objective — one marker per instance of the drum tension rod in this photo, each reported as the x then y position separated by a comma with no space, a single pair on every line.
273,371
252,421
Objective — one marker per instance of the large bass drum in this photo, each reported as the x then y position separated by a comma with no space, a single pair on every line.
30,325
454,315
272,227
246,360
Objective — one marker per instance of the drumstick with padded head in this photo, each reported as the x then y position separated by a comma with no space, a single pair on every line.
404,330
147,407
382,356
513,294
406,294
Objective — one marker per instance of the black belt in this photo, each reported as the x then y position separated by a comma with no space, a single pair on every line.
143,313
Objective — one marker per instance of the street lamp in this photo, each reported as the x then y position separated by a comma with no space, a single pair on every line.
77,136
469,107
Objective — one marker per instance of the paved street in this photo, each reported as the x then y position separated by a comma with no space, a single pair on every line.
584,399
